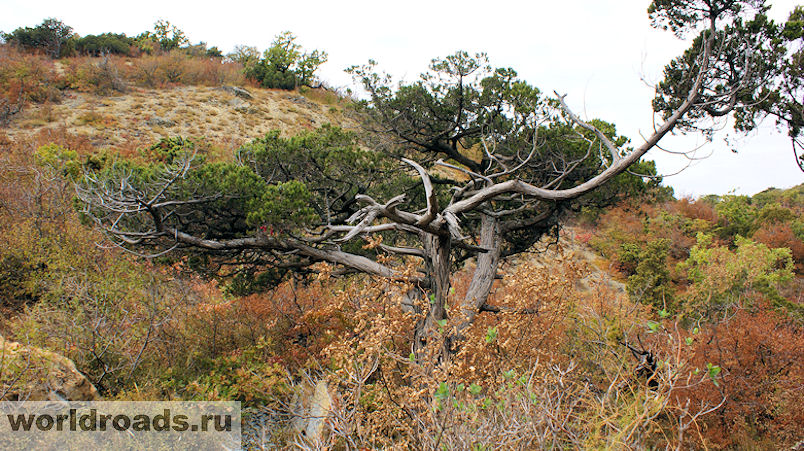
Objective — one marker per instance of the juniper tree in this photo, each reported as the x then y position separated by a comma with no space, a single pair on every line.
468,162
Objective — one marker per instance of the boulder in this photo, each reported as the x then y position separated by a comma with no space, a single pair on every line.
238,92
160,122
35,374
311,408
241,106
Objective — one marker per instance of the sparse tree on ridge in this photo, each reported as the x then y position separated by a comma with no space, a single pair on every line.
165,35
52,36
283,65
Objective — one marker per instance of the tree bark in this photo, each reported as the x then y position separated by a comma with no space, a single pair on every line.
437,248
484,275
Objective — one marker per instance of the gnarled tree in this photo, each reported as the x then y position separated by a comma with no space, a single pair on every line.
467,162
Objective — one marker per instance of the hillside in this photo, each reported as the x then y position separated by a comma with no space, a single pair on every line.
621,319
141,117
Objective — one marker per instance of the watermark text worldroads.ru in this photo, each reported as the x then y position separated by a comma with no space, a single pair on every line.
92,421
113,425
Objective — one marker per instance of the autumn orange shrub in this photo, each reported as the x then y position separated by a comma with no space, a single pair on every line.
109,73
727,384
781,235
98,75
551,370
23,78
301,317
695,209
176,68
615,227
533,329
741,321
24,146
212,72
761,354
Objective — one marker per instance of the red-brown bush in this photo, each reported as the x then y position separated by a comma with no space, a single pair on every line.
761,354
781,235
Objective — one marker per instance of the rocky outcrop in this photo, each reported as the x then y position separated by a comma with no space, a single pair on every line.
156,121
310,409
570,246
34,374
239,92
241,106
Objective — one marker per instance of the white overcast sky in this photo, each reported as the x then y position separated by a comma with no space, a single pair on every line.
596,51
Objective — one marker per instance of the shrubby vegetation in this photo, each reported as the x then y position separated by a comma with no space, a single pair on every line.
52,37
96,45
728,292
25,78
283,65
165,37
703,347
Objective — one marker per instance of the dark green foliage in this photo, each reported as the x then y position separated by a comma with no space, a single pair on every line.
769,196
95,45
650,281
214,52
52,37
171,150
200,50
328,166
165,37
735,216
774,213
285,206
250,280
782,98
168,35
278,188
283,65
746,51
762,58
271,78
681,16
462,109
15,281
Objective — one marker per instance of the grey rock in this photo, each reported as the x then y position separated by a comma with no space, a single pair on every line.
311,409
239,92
241,106
156,121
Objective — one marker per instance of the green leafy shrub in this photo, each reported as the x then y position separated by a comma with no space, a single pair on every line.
774,213
96,45
722,278
284,66
59,159
246,375
735,216
164,37
52,37
650,283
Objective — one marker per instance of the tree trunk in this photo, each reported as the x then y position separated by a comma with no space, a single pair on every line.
437,250
483,277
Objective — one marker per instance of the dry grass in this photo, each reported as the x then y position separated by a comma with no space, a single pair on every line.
140,117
